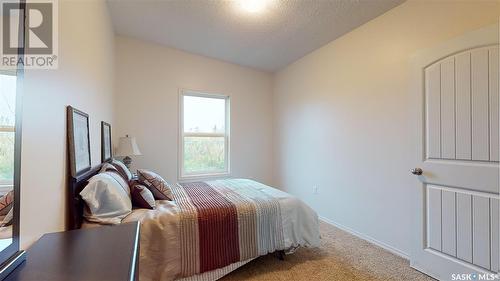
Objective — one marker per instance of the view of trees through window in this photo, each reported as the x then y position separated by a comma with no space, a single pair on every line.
204,135
203,154
7,122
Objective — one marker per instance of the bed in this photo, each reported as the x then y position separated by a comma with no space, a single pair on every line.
210,228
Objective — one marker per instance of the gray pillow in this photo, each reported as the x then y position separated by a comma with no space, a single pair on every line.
107,197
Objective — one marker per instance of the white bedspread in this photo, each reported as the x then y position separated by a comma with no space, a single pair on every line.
300,222
160,248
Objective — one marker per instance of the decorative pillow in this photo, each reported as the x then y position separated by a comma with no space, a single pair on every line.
156,184
142,197
107,199
124,171
7,220
6,203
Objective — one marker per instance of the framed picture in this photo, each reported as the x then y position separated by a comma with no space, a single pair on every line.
78,141
106,150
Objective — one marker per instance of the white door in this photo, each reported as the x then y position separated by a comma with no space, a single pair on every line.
456,198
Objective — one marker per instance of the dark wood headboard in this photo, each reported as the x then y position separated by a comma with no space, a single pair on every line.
75,201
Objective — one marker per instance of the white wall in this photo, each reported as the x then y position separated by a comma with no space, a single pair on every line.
148,79
84,80
341,117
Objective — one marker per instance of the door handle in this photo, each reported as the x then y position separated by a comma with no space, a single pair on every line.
416,171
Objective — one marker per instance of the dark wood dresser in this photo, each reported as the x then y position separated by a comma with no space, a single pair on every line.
102,253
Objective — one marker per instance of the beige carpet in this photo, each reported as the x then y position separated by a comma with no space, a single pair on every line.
341,256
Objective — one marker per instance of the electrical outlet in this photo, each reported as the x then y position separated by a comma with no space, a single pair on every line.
315,189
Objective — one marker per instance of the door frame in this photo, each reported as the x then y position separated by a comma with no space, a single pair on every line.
483,37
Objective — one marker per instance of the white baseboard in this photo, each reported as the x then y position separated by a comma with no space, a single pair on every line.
389,248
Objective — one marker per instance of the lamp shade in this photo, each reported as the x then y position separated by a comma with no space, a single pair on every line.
127,147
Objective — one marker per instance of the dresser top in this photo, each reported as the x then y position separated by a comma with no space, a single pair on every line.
101,253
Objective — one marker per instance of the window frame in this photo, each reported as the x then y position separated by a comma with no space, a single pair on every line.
8,129
182,135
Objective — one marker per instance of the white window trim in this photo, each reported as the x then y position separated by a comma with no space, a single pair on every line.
4,188
10,72
202,175
8,129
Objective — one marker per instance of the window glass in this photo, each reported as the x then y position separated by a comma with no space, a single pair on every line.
204,154
204,115
7,122
204,136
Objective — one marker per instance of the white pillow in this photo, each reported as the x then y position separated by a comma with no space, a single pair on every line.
119,179
108,200
124,171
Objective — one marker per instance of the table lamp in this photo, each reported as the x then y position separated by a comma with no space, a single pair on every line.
127,147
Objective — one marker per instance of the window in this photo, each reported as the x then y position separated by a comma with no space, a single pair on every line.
7,127
204,134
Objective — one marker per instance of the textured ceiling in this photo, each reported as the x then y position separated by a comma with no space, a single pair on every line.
283,33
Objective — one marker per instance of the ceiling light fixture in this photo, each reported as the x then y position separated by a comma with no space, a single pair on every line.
253,6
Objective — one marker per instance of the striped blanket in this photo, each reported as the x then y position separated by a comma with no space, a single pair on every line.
210,228
223,222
